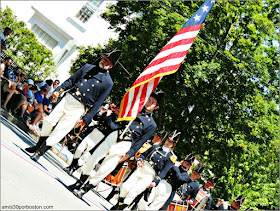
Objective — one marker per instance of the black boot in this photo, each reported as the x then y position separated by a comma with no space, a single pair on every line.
78,183
116,206
33,149
122,206
86,188
42,150
113,192
73,166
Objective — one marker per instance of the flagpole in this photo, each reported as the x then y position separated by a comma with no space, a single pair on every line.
121,136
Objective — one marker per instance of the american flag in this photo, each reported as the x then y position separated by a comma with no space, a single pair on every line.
167,62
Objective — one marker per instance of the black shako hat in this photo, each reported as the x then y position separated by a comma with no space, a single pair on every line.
159,96
214,180
199,169
114,56
190,158
162,134
174,136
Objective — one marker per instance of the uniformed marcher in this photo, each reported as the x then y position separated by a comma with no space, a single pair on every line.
178,176
160,135
106,123
113,148
193,185
236,204
86,90
159,194
210,183
152,168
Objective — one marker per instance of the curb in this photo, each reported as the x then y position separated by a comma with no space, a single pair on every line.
18,123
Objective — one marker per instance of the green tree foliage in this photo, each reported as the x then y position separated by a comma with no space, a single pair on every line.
223,97
23,47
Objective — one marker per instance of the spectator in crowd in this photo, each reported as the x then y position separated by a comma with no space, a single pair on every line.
47,84
20,84
26,88
4,35
5,65
30,96
5,81
12,76
38,109
52,88
48,105
19,100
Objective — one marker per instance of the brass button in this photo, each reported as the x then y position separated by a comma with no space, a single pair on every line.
84,94
97,81
137,127
85,80
149,119
79,98
89,75
92,85
82,84
88,90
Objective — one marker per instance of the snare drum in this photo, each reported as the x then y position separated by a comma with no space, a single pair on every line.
118,179
200,199
178,205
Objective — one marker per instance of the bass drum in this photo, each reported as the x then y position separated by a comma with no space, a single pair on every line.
178,205
119,178
200,200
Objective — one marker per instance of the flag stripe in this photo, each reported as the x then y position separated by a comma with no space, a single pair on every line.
171,55
162,70
163,64
189,29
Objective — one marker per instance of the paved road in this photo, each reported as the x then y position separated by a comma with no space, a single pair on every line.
29,185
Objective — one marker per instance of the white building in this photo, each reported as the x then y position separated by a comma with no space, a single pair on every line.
63,25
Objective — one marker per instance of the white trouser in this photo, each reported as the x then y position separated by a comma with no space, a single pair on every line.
88,143
137,182
66,114
101,151
111,161
160,194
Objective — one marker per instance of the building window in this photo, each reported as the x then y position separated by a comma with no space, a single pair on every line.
44,37
88,10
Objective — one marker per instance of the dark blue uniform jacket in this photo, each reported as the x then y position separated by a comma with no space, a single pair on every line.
160,160
177,177
93,83
141,130
192,190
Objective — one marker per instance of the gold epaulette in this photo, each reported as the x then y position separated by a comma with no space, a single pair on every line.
173,158
145,147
